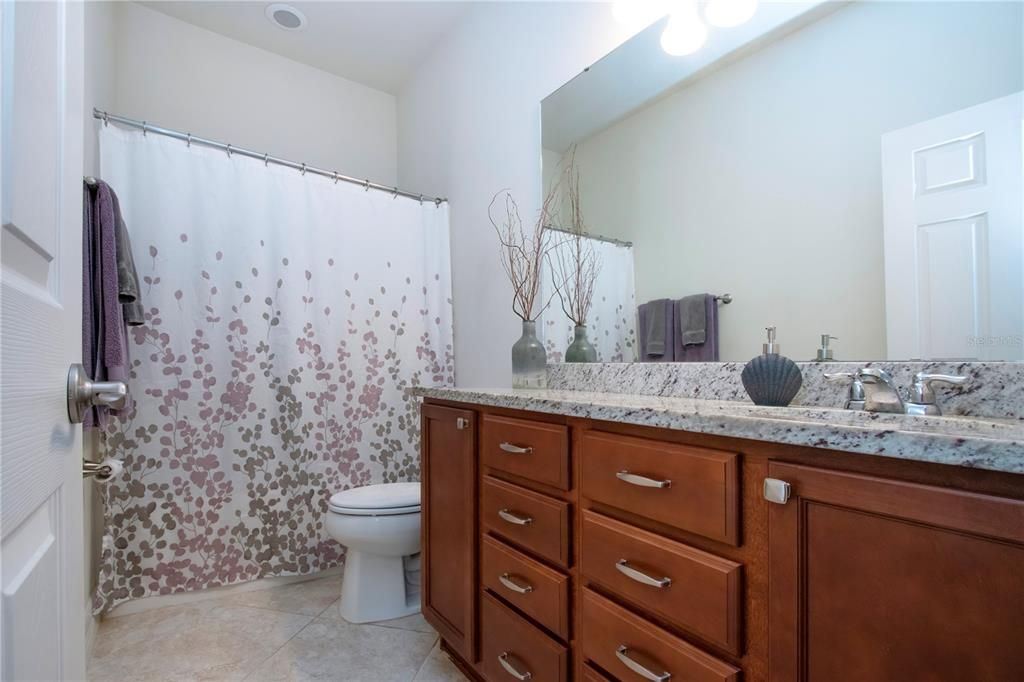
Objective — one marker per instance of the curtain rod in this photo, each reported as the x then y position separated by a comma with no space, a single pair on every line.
303,168
595,237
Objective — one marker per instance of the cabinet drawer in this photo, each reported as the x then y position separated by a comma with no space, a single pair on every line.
698,591
534,521
538,591
694,489
533,450
625,644
512,649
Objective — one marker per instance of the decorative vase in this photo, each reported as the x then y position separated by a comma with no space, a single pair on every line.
529,359
581,350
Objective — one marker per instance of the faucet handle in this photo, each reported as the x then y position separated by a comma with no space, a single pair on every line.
921,392
856,399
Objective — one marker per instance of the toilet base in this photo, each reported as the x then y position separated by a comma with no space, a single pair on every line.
374,588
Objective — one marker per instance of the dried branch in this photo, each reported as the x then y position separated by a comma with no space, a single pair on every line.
523,253
575,265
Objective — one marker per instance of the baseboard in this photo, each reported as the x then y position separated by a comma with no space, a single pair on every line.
91,624
162,600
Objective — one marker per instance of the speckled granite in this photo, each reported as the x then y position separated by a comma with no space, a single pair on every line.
995,389
980,443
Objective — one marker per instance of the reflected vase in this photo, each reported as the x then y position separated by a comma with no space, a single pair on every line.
581,350
529,359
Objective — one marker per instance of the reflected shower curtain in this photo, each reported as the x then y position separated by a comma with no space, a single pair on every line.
285,317
611,325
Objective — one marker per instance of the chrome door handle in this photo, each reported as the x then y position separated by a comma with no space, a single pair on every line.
507,515
506,580
83,393
625,569
623,655
515,449
642,481
505,659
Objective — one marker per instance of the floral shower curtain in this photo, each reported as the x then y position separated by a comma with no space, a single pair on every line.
285,317
611,325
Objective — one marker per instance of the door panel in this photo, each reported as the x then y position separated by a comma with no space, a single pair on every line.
874,579
954,235
450,526
42,595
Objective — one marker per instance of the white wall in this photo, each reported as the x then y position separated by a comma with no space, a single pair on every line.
469,125
764,179
184,77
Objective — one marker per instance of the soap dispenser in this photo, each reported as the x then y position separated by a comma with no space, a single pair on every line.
825,353
771,378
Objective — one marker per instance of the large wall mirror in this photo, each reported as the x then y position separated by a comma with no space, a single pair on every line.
849,169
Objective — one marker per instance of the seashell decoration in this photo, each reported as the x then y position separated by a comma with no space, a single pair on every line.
772,379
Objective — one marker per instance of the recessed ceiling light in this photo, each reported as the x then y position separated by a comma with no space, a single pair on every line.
286,17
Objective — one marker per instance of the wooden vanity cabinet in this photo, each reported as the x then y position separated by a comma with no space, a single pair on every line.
878,579
449,526
629,553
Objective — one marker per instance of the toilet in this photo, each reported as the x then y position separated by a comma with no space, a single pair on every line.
380,527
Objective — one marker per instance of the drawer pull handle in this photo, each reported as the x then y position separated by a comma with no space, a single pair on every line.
623,654
505,659
506,580
507,515
642,481
515,449
641,577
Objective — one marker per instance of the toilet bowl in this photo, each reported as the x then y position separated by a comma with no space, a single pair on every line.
380,527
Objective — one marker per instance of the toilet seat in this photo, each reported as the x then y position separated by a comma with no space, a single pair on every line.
383,499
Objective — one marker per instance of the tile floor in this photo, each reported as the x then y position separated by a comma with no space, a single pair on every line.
292,632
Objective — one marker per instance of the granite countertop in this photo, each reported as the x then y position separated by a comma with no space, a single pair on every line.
982,443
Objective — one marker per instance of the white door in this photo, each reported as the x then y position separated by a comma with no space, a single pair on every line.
43,574
954,247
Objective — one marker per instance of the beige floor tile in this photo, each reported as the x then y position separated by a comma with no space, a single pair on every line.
307,598
439,668
333,650
203,640
414,622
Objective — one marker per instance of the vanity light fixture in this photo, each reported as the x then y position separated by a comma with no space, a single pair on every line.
729,13
685,32
285,16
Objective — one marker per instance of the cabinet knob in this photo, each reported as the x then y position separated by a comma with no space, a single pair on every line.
776,491
461,423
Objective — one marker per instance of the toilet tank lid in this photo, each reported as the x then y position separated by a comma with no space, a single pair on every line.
380,496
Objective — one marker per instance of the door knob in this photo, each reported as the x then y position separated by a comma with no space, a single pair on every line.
84,393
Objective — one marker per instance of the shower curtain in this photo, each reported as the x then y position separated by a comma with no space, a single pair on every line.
611,325
286,314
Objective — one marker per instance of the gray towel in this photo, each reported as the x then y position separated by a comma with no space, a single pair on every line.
692,318
127,278
104,336
701,352
656,330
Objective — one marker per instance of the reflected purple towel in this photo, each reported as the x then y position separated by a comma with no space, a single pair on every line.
656,330
701,352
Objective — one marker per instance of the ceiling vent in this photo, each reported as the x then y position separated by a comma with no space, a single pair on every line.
286,17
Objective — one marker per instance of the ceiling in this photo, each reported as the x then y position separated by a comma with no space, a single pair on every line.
378,44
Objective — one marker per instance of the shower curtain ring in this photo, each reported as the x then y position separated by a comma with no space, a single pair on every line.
266,161
366,185
106,119
303,171
437,202
145,127
188,139
421,200
335,177
228,150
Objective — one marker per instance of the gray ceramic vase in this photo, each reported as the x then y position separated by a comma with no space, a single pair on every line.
529,359
581,350
772,379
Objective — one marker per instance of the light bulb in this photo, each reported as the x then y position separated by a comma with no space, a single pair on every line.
639,14
728,13
685,33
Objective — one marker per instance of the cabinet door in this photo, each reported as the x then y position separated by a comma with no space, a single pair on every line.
875,579
449,525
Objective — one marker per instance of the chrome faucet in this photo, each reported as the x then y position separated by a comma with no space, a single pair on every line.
880,392
922,397
855,400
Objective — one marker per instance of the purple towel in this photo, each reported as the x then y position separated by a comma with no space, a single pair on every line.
656,330
700,352
104,335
